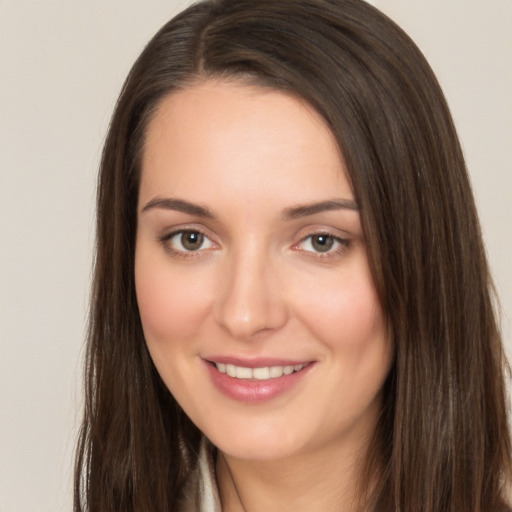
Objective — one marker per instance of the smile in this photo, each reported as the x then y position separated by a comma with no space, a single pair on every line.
263,373
256,381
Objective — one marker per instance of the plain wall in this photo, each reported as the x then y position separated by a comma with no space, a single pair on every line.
62,64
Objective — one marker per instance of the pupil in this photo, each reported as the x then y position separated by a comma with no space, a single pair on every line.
191,240
322,243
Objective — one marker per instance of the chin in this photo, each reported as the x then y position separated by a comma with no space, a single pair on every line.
263,445
255,452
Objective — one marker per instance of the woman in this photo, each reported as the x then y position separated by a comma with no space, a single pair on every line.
292,308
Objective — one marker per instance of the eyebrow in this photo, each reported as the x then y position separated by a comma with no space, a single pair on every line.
299,211
293,212
179,205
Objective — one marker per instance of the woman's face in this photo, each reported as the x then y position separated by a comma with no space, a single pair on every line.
252,278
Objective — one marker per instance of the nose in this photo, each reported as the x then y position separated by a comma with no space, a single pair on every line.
251,300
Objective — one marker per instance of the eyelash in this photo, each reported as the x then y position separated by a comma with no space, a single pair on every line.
341,245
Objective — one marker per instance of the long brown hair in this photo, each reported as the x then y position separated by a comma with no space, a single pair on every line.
442,442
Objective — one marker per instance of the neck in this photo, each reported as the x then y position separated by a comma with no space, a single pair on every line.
328,478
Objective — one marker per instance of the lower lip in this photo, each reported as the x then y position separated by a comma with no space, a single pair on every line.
252,390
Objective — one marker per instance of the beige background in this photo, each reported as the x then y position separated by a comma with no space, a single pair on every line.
61,67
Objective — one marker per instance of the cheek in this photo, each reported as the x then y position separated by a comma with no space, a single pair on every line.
170,304
347,320
345,314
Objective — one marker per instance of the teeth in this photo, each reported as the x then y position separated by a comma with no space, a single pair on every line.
264,373
275,371
230,370
243,373
260,373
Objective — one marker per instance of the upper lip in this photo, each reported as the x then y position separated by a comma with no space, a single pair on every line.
259,362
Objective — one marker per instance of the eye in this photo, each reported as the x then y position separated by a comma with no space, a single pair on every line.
188,241
323,243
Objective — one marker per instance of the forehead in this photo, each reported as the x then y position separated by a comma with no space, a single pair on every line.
245,138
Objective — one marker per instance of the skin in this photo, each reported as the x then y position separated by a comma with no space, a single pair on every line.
258,287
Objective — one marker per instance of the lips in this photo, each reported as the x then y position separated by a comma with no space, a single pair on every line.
255,381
